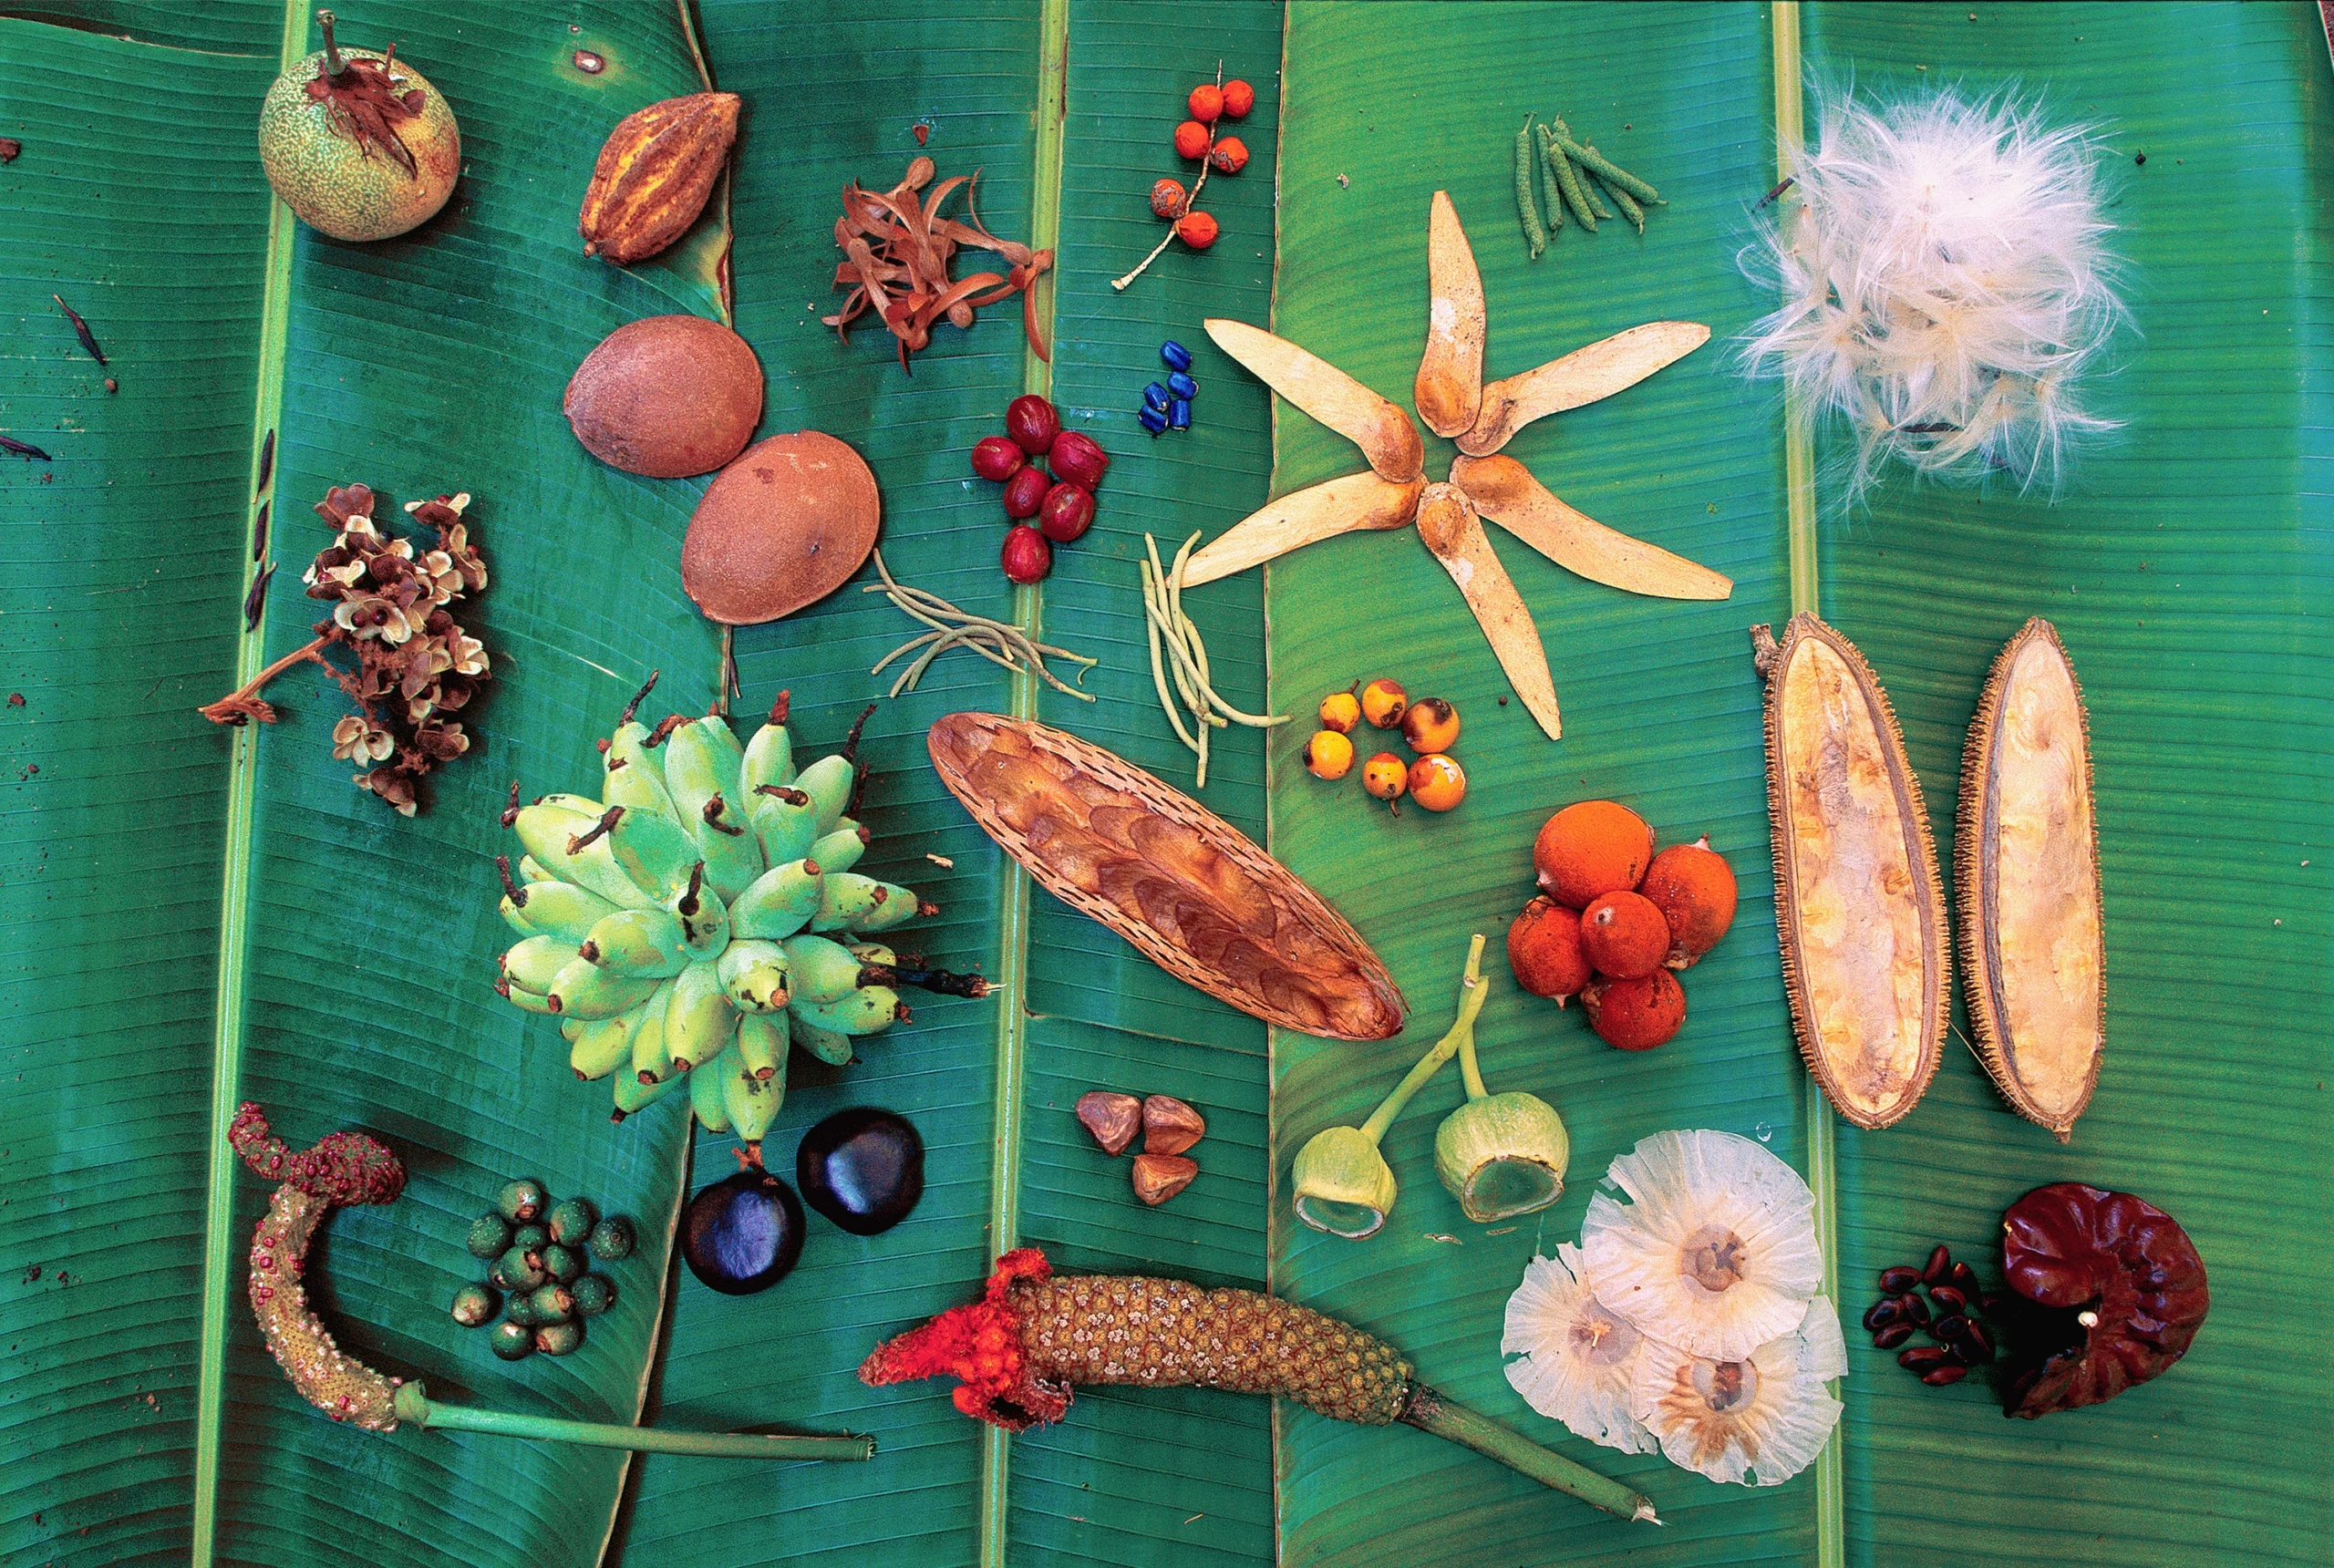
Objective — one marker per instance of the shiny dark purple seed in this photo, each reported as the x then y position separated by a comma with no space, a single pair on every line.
1940,1263
1945,1298
1963,1278
1937,1377
1913,1309
1890,1337
1921,1357
1881,1315
1898,1280
1949,1328
1976,1344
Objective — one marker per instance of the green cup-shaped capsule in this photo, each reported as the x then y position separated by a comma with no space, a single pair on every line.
531,1238
552,1303
522,1201
1502,1155
519,1269
563,1263
1342,1183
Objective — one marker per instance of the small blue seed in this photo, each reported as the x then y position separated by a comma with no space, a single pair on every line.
1177,357
1182,386
1155,396
1179,414
1152,420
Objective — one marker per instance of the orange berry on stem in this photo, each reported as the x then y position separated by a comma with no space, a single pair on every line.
1439,783
1230,156
1239,97
1196,230
1385,777
1383,703
1636,1015
1543,949
1191,139
1206,102
1167,199
1340,711
1624,935
1693,887
1589,849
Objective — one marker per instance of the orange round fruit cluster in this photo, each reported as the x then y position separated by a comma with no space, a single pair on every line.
1430,727
1613,921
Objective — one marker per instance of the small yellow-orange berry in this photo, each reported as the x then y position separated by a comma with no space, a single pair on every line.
1383,703
1196,230
1430,724
1439,783
1340,711
1191,139
1329,755
1385,777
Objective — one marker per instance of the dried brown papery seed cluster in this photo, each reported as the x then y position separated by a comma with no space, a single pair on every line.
899,249
1168,1126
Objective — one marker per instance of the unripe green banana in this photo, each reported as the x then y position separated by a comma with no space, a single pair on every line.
865,1011
638,944
698,1020
555,909
828,782
531,871
520,996
754,975
832,1047
636,779
780,902
849,902
824,970
731,848
634,1095
656,852
705,919
839,851
752,1102
786,820
769,757
701,757
600,1045
648,1059
761,1044
873,952
584,990
547,830
705,1093
535,962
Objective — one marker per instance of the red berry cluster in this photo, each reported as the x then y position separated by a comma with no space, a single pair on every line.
1195,140
1046,508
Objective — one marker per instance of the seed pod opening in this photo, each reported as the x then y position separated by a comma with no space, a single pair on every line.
2026,878
1859,906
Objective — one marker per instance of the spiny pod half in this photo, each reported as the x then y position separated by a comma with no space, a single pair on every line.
2026,877
1859,906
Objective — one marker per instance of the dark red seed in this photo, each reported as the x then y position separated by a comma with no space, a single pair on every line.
1026,557
1921,1357
1939,1377
1945,1298
1949,1329
1078,459
1881,1315
1067,511
1026,491
1964,1279
1898,1280
1890,1337
1976,1344
1940,1263
1913,1309
998,457
1031,420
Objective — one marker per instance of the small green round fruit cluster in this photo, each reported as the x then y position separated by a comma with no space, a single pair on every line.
539,1249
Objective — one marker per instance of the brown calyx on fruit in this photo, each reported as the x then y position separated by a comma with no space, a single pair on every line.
1170,1126
1159,1177
1624,935
1113,1119
784,526
1636,1015
362,99
666,396
654,174
1544,950
1693,887
1589,849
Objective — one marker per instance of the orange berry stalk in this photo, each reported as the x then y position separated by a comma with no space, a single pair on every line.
1019,1351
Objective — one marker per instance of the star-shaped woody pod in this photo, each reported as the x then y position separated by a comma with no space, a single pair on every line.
1453,400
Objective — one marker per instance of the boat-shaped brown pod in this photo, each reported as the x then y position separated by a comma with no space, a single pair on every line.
1197,896
2026,878
1859,906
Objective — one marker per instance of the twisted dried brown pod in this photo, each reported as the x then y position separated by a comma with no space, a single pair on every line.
1194,894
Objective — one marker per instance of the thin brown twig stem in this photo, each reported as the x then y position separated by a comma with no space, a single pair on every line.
243,705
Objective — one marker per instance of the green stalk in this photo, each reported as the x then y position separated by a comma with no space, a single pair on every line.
414,1404
1431,1412
1460,1038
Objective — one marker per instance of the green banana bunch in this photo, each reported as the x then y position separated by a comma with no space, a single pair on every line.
701,917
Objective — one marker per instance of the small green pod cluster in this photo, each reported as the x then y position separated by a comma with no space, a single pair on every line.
701,915
539,1249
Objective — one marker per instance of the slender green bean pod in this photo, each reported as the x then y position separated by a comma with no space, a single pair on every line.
1571,148
1551,195
1568,182
1588,158
1626,202
1526,207
999,643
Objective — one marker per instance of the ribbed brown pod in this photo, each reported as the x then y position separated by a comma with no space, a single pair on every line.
1116,1328
1859,905
2026,882
654,174
1194,894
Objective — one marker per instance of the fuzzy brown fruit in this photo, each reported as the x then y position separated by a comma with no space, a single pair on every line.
1589,849
666,396
1159,1177
1624,935
1693,887
1168,1126
784,526
654,174
1636,1015
1113,1119
1544,951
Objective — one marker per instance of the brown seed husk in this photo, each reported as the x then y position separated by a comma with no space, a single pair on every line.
1859,905
666,396
1449,387
654,174
2026,878
784,526
1195,894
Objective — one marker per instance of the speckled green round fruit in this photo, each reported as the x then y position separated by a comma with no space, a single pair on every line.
593,1296
559,1338
512,1341
520,1309
352,187
552,1303
572,1221
519,1269
563,1263
490,1236
473,1304
531,1238
612,1239
522,1201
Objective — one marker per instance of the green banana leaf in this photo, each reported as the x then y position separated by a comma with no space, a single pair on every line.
197,916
